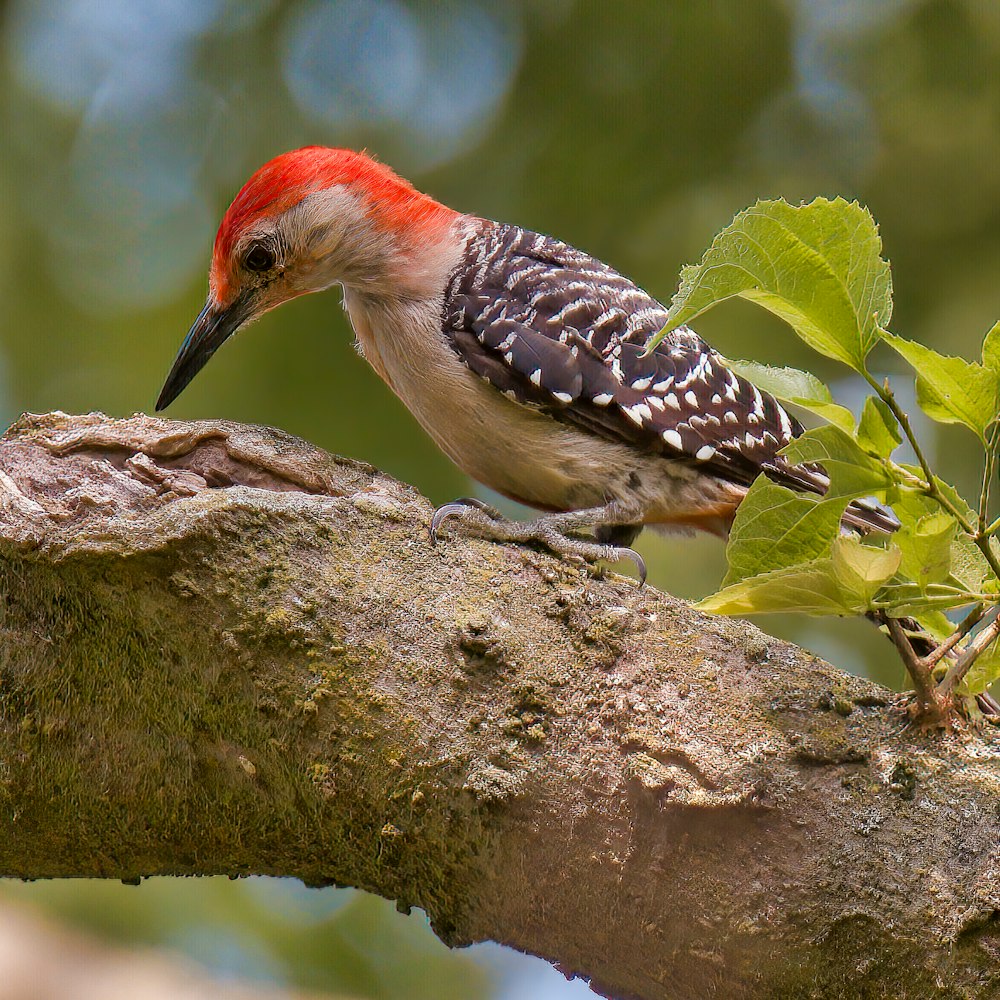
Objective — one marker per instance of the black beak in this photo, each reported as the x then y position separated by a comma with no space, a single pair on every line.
212,327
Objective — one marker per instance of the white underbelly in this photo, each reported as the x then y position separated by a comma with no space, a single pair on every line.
519,452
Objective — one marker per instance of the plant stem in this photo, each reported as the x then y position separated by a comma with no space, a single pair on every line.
968,624
945,602
961,666
902,592
887,396
988,466
931,487
928,696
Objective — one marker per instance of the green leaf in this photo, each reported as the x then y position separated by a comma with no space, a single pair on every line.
776,527
991,348
843,583
955,497
952,390
861,569
983,672
834,413
797,387
817,266
926,546
878,431
946,489
852,473
811,588
783,383
909,505
969,569
936,623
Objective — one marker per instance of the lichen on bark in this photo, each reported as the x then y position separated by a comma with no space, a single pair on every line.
225,651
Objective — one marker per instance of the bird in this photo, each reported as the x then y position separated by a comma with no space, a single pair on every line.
523,358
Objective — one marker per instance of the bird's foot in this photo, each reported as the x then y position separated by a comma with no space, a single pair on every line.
550,530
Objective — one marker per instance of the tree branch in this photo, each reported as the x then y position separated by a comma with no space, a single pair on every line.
224,651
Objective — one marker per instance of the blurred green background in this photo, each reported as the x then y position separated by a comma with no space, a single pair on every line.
633,130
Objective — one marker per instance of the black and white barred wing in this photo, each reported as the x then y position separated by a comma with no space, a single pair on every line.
556,329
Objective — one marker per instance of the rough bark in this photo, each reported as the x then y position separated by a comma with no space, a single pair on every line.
224,651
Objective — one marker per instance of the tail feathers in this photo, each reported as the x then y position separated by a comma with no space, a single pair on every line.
867,515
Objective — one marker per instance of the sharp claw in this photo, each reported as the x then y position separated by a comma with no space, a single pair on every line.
456,507
640,564
442,514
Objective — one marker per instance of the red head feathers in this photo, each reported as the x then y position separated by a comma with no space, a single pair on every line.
284,181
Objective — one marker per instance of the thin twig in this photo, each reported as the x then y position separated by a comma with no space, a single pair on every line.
958,670
971,620
887,396
987,703
988,466
921,676
945,602
931,487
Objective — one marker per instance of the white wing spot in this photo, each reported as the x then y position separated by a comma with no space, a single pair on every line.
673,439
563,397
536,376
704,453
641,384
786,426
671,400
638,413
603,398
690,398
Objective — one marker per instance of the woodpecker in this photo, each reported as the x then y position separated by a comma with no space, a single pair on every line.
523,358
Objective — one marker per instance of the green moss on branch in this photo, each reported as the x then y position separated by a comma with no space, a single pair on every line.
226,652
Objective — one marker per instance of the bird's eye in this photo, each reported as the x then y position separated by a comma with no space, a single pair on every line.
259,258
